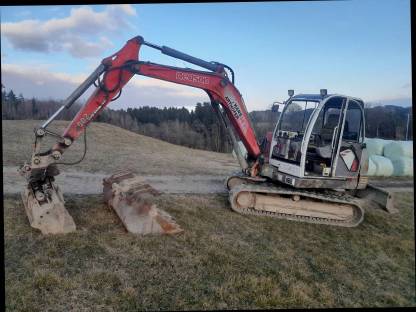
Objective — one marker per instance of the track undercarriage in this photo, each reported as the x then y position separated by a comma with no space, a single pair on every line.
259,197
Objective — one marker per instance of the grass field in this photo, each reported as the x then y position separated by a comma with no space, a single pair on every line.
112,148
223,260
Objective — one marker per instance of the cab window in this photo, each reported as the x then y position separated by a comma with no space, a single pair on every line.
353,122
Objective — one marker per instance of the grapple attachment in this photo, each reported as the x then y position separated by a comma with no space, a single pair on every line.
132,200
46,210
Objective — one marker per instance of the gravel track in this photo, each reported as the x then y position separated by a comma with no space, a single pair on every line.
78,182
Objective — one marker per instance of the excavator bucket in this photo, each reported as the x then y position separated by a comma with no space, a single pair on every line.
47,212
133,201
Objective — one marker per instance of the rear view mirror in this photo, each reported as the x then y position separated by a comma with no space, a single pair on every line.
275,106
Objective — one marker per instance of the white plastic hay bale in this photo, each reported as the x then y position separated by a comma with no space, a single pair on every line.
385,143
374,146
403,166
397,149
384,166
372,169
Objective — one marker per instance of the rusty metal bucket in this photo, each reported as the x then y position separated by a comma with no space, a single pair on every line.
48,214
133,201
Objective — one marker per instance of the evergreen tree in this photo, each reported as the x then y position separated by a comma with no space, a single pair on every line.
11,97
3,95
20,98
199,128
34,108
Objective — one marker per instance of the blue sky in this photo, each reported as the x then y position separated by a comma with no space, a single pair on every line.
360,48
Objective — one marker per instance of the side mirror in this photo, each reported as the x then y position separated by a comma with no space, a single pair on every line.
275,106
290,92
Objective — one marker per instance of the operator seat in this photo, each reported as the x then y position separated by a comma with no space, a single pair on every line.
327,130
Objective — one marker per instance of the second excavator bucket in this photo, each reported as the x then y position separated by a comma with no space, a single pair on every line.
47,213
133,201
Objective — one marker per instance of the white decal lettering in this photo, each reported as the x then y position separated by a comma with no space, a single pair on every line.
237,113
192,78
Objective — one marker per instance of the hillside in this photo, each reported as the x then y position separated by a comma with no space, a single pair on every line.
111,148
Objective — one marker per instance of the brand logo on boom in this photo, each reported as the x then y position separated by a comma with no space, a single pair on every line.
192,78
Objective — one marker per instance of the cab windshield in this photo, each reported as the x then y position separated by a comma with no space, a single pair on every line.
296,115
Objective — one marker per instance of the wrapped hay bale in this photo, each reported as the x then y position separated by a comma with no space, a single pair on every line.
397,149
403,166
384,166
385,143
372,169
374,146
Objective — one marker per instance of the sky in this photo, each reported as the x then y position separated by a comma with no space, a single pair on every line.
360,48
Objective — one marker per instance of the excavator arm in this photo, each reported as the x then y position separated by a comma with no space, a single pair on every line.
43,199
119,68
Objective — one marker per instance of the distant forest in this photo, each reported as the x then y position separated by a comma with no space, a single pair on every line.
198,128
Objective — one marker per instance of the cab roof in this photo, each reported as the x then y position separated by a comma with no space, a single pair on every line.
319,98
309,97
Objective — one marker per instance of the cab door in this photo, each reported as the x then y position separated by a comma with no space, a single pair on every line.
324,137
350,145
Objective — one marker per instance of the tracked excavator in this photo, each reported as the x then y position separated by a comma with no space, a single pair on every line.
312,168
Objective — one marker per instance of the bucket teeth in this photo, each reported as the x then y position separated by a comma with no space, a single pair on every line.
133,201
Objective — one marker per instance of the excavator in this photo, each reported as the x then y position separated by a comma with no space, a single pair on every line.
311,168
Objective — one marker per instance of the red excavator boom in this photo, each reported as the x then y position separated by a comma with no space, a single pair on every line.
120,68
43,199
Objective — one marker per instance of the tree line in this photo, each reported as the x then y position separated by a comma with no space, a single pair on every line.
199,128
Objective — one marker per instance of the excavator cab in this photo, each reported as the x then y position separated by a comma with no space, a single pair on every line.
317,162
319,141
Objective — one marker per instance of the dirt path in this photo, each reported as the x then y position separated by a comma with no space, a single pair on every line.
78,182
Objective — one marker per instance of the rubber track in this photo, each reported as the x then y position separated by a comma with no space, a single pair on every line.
328,196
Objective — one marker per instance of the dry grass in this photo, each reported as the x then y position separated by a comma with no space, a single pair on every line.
112,148
223,260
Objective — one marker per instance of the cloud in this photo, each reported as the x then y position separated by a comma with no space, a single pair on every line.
39,74
81,48
70,33
128,9
151,86
42,82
